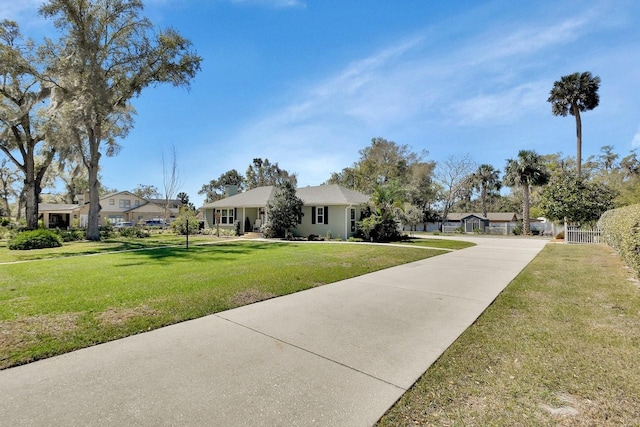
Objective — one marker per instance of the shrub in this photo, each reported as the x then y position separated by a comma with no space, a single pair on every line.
620,229
459,230
268,231
5,222
560,235
436,233
35,239
179,226
106,231
71,235
354,239
238,228
134,232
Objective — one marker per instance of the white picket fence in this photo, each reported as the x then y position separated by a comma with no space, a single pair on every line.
575,235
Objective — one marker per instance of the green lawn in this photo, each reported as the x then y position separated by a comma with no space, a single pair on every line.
560,346
55,305
86,247
438,243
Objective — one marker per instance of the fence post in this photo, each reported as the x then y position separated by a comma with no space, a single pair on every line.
566,231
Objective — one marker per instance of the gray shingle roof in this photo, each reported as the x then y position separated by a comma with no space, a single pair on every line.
491,216
46,207
330,195
317,195
254,198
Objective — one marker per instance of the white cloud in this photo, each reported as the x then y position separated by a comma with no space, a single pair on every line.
635,142
502,106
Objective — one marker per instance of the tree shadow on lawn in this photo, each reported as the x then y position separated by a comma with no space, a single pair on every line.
200,253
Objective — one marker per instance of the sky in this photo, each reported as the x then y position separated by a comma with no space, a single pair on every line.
309,83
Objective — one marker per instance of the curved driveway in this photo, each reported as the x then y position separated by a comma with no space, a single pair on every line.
337,355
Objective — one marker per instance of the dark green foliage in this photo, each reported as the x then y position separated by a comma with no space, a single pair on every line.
106,231
134,232
285,211
179,226
71,235
381,223
238,228
35,239
576,198
620,229
5,222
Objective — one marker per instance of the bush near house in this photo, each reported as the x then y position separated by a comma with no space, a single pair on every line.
620,229
72,235
35,239
134,232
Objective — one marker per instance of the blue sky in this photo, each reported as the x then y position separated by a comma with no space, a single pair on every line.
308,83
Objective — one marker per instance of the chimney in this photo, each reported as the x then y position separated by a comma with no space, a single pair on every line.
230,190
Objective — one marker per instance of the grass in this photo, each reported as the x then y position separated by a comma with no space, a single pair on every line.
109,245
560,346
55,305
437,243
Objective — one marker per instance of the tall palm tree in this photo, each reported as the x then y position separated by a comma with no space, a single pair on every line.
486,179
526,171
572,94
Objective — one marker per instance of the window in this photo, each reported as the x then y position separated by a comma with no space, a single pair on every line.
136,202
353,220
226,216
112,201
125,203
320,215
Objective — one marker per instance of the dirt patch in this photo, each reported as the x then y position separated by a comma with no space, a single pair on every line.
120,316
25,331
249,296
569,407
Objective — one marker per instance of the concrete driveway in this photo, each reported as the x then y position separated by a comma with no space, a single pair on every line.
337,355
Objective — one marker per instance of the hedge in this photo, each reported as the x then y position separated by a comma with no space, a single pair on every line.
620,229
35,239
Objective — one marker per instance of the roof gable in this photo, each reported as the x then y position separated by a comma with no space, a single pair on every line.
254,198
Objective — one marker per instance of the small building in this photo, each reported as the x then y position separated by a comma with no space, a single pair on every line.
492,223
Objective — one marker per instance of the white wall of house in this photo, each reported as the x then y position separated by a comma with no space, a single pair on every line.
339,222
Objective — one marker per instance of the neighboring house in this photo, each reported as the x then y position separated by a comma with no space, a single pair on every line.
493,223
121,206
327,208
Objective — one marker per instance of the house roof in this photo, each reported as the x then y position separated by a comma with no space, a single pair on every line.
48,207
317,195
254,198
115,193
331,195
491,216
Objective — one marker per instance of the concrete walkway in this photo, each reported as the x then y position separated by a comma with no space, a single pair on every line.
337,355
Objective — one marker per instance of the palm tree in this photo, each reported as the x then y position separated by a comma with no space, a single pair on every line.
486,179
571,95
526,171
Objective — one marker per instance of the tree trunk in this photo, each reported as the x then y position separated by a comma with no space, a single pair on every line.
93,224
484,201
576,113
526,230
30,191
